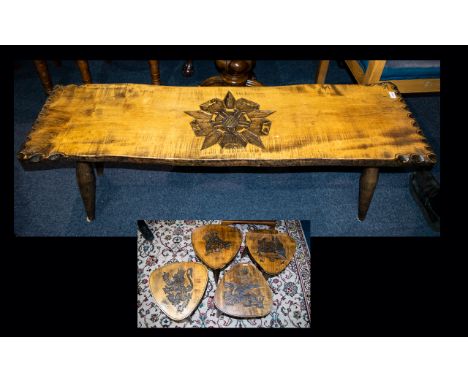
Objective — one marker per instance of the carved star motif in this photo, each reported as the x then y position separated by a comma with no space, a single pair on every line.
230,123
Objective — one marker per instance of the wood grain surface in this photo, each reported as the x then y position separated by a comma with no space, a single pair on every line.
244,292
226,243
178,288
272,262
312,125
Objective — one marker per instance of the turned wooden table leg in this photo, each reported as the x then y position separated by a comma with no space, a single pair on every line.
322,71
154,69
87,184
41,66
84,70
367,183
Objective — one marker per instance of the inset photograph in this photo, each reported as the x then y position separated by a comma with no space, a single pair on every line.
223,274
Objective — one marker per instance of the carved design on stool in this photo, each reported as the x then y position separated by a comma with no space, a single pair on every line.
214,244
241,294
177,293
231,123
273,249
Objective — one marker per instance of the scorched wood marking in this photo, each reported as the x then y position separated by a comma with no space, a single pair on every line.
214,244
177,293
242,292
273,249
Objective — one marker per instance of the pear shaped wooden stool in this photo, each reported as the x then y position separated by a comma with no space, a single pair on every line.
216,245
178,288
271,251
244,292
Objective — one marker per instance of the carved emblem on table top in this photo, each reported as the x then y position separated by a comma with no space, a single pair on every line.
230,123
176,291
273,249
213,243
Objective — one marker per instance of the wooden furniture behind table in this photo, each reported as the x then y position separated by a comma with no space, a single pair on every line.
44,75
372,74
368,127
233,73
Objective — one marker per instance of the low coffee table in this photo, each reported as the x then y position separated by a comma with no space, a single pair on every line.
365,126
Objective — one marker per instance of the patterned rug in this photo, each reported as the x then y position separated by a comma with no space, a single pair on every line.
172,243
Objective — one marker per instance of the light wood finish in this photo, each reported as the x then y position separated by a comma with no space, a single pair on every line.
312,125
44,75
374,72
423,85
83,66
367,184
190,288
154,71
243,292
219,257
356,70
84,70
322,71
87,185
270,262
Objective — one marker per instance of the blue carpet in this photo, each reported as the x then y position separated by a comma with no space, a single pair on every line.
47,203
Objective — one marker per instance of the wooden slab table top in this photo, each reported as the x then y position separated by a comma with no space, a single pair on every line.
367,126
